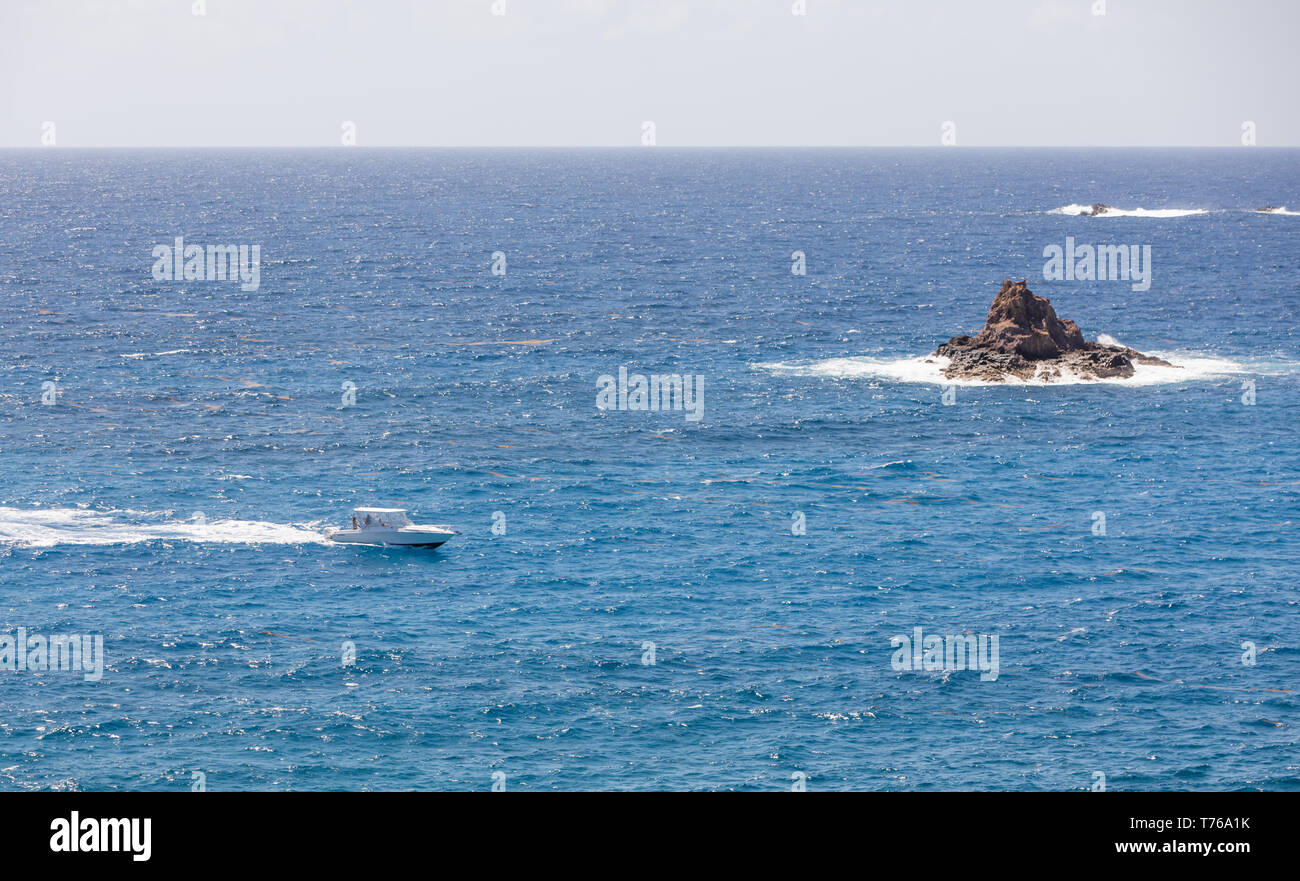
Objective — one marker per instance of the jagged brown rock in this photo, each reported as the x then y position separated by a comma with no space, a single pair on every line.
1024,338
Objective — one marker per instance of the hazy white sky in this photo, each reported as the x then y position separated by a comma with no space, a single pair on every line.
707,72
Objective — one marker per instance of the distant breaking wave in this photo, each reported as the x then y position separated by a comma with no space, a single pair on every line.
1282,210
47,527
1077,210
156,354
929,369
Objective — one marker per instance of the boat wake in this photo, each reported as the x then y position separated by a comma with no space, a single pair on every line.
1077,210
928,369
48,527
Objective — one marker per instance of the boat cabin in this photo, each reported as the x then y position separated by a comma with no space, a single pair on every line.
371,518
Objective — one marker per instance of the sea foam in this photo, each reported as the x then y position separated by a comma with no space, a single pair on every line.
929,369
1077,210
47,527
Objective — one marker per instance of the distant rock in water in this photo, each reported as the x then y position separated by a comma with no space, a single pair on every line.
1096,210
1023,338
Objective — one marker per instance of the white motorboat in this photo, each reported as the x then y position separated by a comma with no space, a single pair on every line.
389,527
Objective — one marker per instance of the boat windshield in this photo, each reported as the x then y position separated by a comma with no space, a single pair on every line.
392,518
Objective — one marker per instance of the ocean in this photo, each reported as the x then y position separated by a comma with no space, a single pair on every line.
717,598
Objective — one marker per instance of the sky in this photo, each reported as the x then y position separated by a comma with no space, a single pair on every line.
212,73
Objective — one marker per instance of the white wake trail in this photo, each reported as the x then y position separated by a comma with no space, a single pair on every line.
48,527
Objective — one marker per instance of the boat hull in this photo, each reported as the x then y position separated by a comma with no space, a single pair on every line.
409,537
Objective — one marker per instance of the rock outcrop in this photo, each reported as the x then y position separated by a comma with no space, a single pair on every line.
1023,338
1096,210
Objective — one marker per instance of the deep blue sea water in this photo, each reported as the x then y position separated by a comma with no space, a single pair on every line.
171,497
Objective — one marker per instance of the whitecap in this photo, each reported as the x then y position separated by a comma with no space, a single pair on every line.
156,354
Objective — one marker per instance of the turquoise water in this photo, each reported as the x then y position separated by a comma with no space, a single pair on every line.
171,498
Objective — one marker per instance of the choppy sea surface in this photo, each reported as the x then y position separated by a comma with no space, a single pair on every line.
664,603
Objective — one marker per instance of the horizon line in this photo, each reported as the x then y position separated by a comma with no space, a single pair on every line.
53,148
